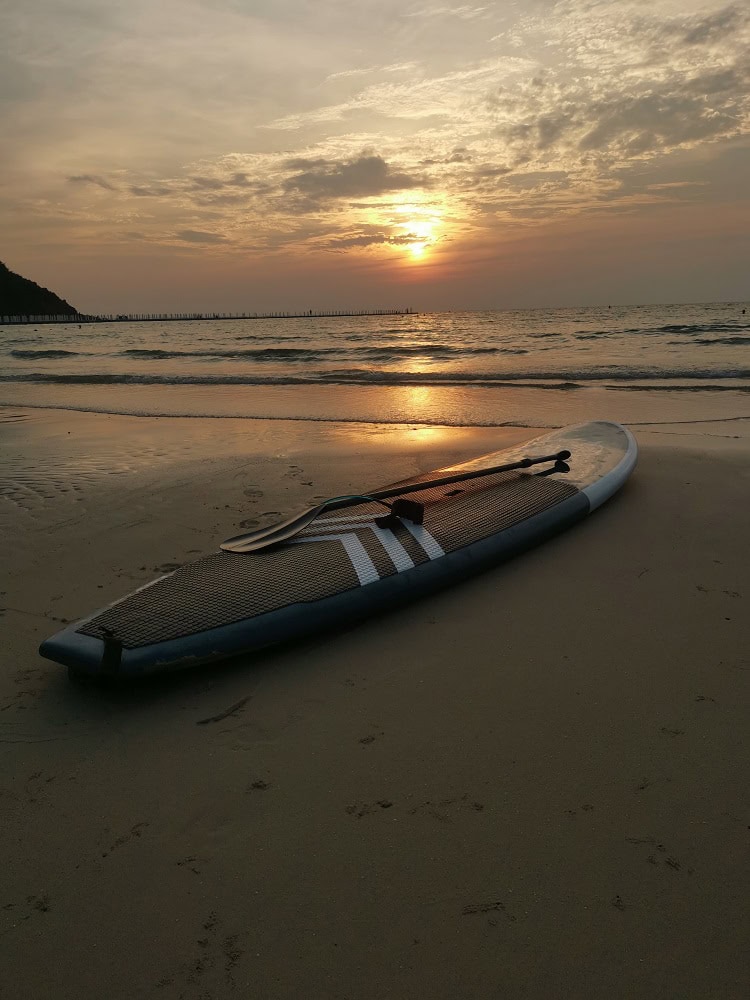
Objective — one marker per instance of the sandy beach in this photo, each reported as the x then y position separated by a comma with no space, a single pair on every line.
531,785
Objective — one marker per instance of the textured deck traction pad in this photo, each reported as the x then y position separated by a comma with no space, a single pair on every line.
338,552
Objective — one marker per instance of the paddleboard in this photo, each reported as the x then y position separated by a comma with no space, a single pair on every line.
353,557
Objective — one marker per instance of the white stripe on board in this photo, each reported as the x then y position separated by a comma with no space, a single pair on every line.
399,556
431,546
364,567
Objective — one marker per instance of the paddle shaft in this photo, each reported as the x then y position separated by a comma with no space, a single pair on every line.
265,537
407,488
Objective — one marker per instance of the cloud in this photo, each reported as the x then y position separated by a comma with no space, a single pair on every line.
204,189
361,178
302,163
647,121
421,97
711,27
464,12
627,85
490,171
150,190
93,180
403,67
547,179
371,239
207,183
461,155
197,236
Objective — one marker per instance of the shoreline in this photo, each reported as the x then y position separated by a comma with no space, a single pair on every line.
466,407
531,784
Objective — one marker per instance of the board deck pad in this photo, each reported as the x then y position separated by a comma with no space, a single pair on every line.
337,552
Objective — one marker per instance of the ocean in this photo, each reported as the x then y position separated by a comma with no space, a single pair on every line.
544,367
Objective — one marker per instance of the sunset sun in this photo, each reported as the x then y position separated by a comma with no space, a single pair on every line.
419,237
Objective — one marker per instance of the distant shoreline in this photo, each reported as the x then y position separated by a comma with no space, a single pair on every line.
20,320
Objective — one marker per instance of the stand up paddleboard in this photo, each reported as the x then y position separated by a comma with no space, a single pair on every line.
353,556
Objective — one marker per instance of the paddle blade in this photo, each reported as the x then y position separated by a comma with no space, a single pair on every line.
263,538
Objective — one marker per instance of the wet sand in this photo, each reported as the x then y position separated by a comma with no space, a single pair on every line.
531,785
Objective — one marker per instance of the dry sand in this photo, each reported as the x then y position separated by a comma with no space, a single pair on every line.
532,785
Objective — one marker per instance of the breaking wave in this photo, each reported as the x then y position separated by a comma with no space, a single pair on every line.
356,376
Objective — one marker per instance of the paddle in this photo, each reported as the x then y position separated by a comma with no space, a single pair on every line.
263,538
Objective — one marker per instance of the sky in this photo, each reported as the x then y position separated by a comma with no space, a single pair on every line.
258,155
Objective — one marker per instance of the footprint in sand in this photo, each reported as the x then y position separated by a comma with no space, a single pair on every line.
212,966
444,809
134,833
491,910
658,853
360,809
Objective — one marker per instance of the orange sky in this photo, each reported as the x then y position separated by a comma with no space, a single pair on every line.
229,154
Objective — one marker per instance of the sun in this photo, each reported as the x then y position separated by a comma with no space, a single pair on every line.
419,237
411,230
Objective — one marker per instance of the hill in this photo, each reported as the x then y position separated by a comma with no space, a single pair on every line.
21,297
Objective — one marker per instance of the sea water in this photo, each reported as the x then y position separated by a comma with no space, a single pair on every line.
638,364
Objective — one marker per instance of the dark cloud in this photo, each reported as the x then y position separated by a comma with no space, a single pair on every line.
92,179
196,236
539,179
207,183
299,163
714,83
490,171
233,190
372,239
458,155
484,177
701,30
220,199
382,205
361,178
549,128
655,119
206,190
